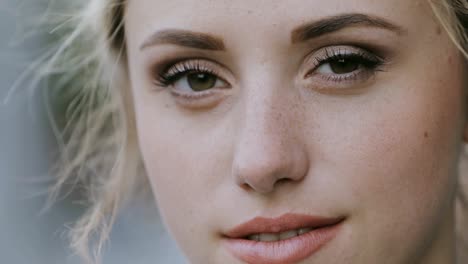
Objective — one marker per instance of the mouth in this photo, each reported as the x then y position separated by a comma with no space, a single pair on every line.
286,239
272,237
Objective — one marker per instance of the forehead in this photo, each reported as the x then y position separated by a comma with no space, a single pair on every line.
253,19
185,12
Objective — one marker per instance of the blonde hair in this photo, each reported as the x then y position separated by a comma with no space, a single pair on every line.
98,145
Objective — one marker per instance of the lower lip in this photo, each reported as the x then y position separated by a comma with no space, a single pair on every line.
290,250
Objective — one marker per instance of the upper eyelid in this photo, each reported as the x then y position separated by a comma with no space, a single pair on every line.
208,65
319,55
341,50
188,65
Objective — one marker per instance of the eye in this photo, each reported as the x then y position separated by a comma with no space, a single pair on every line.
340,66
193,76
344,63
198,82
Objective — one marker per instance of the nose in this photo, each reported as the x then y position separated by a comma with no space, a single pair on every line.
269,149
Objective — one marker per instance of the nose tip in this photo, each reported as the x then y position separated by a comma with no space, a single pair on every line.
262,169
262,179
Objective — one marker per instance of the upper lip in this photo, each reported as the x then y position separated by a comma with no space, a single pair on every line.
280,224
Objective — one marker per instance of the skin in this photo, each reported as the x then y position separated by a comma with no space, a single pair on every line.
381,150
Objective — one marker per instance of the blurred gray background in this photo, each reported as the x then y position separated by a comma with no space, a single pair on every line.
26,143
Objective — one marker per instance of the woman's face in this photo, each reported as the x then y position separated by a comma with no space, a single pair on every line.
344,117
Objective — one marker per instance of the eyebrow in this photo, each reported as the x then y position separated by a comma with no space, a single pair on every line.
332,24
185,38
314,29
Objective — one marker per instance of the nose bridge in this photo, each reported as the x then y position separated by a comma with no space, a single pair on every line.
268,148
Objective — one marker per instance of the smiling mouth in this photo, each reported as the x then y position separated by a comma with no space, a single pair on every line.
272,237
287,239
283,227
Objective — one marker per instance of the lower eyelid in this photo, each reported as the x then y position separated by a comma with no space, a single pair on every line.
192,95
331,82
203,100
337,78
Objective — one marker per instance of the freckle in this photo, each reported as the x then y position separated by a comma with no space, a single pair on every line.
426,135
449,59
438,31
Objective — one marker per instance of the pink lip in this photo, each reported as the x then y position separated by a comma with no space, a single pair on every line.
291,250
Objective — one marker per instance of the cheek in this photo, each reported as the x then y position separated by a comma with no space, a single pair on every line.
409,155
403,159
181,157
417,141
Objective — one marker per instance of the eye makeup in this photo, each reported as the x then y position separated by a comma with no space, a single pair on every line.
339,66
333,67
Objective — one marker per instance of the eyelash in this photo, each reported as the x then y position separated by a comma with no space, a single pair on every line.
369,61
175,72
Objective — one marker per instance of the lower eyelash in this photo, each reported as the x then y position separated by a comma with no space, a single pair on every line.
363,74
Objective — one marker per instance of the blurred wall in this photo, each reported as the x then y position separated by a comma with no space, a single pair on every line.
26,143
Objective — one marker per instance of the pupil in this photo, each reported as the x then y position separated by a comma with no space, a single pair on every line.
201,81
343,66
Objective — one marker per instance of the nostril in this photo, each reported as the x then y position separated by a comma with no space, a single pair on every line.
246,187
264,184
282,181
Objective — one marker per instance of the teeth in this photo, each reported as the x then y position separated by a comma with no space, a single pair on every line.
287,234
269,237
304,230
255,237
272,237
